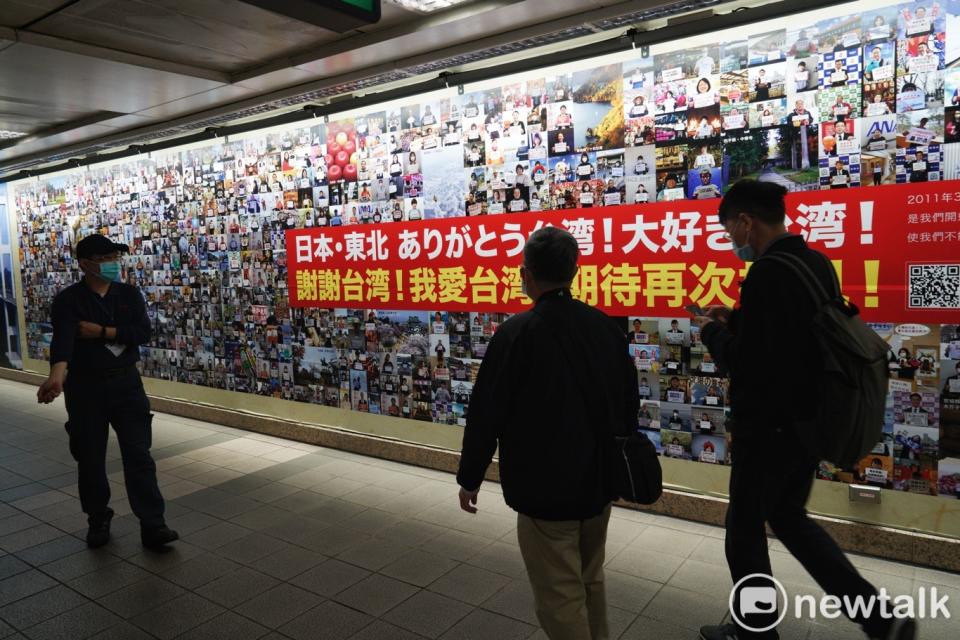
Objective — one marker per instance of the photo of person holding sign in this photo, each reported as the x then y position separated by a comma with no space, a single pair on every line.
838,75
517,203
800,115
801,77
878,67
705,188
918,168
839,176
923,61
585,169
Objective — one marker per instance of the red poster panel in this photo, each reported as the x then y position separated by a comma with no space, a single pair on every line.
896,248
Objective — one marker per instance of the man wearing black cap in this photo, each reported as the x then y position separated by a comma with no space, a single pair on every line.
99,324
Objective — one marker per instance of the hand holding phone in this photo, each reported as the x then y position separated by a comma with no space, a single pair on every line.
719,313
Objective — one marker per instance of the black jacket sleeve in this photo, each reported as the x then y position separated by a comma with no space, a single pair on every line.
489,404
64,319
730,344
138,331
766,329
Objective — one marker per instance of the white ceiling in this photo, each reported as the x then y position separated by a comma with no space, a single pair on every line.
79,71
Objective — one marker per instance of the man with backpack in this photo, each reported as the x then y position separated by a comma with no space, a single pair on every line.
777,419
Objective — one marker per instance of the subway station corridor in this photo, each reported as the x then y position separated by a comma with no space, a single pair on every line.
286,540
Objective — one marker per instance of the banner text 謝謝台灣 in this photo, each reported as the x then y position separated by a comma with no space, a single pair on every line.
897,254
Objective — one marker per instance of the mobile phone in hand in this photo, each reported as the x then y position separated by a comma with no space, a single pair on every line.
695,310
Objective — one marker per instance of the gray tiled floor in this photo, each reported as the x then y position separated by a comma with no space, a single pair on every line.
287,540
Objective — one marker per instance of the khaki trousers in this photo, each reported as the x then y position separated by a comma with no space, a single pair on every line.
564,561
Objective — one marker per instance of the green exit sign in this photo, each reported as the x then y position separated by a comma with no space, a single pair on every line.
363,9
336,15
366,5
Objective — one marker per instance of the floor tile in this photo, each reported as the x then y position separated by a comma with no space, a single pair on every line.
108,579
41,606
279,605
469,584
375,595
82,622
687,609
483,625
374,554
428,614
177,616
328,621
228,626
52,550
11,565
146,595
23,585
629,592
236,587
419,568
78,564
514,601
381,630
290,562
199,571
330,577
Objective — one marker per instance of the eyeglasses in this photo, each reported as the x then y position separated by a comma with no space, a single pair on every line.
727,235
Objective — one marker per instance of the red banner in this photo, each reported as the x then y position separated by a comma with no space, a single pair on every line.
896,248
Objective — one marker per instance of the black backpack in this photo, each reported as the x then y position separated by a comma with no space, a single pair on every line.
852,387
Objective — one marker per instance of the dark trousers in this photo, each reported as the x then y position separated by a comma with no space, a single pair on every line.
770,482
94,402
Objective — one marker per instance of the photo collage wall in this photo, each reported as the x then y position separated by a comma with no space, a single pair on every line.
851,101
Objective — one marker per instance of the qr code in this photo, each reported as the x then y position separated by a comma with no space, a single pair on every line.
934,286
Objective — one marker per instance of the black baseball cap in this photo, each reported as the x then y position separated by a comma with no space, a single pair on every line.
98,245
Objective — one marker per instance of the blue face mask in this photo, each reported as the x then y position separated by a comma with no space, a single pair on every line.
110,271
744,252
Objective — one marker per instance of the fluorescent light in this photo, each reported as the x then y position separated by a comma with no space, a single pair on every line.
6,134
428,6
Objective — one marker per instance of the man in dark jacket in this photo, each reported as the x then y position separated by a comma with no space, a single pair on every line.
772,471
555,382
99,324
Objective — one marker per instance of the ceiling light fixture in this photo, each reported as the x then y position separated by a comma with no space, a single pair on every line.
6,134
428,6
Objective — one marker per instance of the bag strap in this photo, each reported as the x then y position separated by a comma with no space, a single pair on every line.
805,273
833,275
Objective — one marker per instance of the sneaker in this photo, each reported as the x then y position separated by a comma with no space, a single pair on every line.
98,534
719,632
158,537
731,631
902,629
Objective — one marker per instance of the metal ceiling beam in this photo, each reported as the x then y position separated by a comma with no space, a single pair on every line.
113,55
365,39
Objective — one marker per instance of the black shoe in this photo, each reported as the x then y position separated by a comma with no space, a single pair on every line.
902,629
719,632
158,537
99,532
